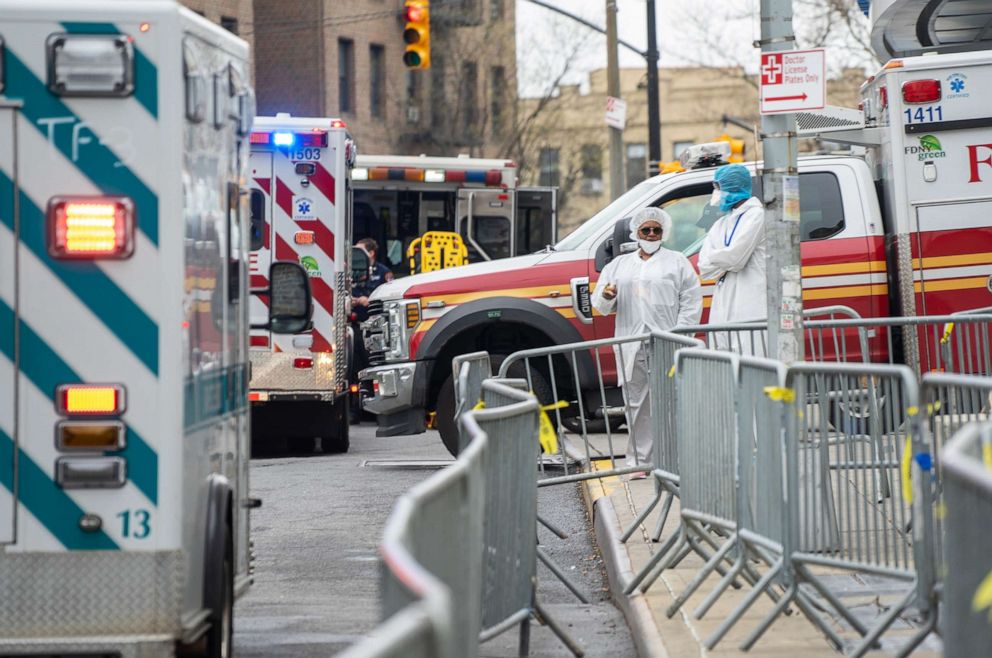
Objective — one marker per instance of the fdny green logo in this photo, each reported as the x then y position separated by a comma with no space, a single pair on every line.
309,263
930,148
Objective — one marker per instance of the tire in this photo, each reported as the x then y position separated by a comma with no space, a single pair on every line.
220,638
445,408
594,425
337,428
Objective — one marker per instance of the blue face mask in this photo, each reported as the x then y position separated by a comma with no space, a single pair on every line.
728,200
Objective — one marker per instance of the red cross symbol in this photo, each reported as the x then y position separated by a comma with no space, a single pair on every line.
771,69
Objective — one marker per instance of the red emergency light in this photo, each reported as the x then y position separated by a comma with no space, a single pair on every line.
316,138
921,91
338,123
90,227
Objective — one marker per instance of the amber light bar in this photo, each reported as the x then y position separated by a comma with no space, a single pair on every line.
96,227
90,400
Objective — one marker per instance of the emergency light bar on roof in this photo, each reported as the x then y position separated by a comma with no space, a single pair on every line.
316,138
490,178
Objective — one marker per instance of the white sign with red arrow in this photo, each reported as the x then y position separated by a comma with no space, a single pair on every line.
793,81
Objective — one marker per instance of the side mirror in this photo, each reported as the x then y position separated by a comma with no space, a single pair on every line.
290,301
359,265
621,234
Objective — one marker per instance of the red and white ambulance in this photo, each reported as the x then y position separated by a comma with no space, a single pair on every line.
301,211
904,229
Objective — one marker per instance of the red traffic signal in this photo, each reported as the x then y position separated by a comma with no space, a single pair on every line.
417,34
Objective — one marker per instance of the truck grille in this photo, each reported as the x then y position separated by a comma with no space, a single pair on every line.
375,334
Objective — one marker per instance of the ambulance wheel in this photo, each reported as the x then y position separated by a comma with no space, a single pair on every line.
337,427
445,416
220,637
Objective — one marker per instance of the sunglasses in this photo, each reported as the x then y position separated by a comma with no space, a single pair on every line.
650,230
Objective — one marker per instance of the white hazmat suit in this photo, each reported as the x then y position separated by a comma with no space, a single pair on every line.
656,294
733,255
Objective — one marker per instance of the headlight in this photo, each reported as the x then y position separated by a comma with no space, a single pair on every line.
402,317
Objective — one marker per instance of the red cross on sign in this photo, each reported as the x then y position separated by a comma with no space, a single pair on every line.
771,69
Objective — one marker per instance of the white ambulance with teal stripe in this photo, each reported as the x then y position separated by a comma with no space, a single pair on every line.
124,328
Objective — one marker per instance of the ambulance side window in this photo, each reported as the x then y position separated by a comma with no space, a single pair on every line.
821,206
257,205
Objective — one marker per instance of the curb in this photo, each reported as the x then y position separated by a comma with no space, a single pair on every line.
635,609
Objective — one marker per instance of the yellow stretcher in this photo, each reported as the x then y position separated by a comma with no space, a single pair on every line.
436,250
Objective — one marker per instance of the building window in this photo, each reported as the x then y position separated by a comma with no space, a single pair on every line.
346,75
548,164
637,164
469,100
678,147
495,10
377,80
439,98
497,98
591,157
229,23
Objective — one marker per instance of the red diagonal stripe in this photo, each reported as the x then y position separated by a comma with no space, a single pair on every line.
284,251
324,182
324,239
265,184
284,198
320,344
323,294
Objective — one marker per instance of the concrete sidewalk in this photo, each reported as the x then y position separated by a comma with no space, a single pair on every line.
614,504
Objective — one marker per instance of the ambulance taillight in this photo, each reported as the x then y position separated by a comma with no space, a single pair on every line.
921,91
90,400
90,227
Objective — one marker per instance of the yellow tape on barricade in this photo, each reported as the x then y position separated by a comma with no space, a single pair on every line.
948,330
907,470
780,394
987,455
983,597
671,371
547,435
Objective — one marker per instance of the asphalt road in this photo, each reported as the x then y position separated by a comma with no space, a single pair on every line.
316,576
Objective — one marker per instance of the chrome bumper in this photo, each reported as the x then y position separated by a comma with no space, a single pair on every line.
392,387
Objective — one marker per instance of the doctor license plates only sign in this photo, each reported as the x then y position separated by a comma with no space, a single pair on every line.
793,81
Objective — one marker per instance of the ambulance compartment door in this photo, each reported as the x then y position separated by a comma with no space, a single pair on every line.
261,239
8,323
485,222
536,219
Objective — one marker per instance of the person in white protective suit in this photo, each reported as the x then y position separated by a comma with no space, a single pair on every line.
651,289
733,255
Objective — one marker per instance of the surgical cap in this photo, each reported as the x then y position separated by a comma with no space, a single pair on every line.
651,215
735,184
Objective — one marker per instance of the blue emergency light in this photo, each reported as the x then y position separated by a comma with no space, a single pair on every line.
283,139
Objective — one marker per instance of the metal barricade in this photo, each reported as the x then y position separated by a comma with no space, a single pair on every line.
855,504
510,418
967,626
469,371
431,553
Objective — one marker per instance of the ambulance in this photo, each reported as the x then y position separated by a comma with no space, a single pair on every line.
124,426
398,199
902,227
300,203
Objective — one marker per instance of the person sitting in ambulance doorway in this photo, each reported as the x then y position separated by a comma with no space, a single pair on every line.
733,255
378,275
651,289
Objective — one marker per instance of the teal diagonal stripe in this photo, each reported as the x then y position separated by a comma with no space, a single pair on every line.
94,160
47,371
145,73
86,281
47,502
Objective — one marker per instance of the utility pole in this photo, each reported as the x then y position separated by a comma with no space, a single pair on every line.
780,183
654,109
617,185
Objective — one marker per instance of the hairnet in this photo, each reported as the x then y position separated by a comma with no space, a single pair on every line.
735,183
651,215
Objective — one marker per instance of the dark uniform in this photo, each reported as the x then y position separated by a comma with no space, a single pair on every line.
375,279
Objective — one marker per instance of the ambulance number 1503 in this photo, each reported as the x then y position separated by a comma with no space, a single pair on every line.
924,114
306,154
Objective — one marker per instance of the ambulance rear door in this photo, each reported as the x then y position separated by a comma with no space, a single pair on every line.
260,238
484,219
8,324
536,219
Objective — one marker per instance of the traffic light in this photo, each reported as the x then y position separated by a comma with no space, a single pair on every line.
417,34
736,147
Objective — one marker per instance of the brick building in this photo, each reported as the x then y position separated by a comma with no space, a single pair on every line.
343,58
570,141
233,15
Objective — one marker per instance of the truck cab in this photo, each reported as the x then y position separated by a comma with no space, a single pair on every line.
419,323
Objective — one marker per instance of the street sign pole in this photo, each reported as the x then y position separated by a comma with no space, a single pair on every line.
780,184
617,185
654,105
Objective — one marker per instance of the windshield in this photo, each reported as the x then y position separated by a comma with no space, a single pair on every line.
605,217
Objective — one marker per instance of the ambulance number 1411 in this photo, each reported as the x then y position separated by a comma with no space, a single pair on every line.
924,114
